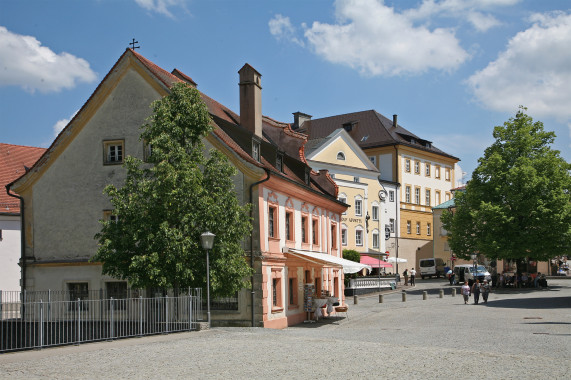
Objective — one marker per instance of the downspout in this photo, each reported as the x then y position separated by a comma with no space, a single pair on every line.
252,241
22,237
397,215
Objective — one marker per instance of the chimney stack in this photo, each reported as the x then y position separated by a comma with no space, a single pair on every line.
299,118
251,99
394,121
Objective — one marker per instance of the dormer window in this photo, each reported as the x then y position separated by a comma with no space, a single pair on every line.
256,150
341,156
307,177
280,162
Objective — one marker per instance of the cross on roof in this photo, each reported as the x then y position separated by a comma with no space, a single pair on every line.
132,44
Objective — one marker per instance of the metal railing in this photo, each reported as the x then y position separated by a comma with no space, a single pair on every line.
39,323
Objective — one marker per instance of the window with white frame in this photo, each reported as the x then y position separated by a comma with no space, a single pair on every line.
428,229
272,219
416,167
375,212
437,171
407,165
427,169
447,174
417,195
391,196
376,239
341,156
114,151
408,227
343,198
427,197
256,150
358,207
359,237
437,196
407,194
392,224
373,160
418,228
344,235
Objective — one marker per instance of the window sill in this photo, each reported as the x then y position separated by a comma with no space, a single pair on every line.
274,238
113,163
277,310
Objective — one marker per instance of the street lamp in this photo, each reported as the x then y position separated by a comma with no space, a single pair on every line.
207,241
474,257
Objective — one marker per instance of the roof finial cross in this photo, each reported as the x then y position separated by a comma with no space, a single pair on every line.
133,43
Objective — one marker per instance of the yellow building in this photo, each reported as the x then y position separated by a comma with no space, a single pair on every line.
370,213
425,174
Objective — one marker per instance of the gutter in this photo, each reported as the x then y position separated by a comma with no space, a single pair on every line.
252,241
22,237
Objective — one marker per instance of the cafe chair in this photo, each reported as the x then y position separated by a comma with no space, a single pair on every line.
342,309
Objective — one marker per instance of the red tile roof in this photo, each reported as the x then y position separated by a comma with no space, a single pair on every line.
14,161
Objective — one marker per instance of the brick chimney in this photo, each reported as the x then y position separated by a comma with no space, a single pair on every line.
299,118
251,99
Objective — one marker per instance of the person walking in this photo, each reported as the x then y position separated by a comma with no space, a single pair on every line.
485,291
412,276
405,275
476,291
465,292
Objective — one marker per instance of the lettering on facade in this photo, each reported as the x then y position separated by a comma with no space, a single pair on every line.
352,220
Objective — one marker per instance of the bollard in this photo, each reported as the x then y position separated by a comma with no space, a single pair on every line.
424,295
403,296
453,292
380,298
441,293
355,300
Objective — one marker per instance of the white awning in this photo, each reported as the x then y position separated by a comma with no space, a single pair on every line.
323,258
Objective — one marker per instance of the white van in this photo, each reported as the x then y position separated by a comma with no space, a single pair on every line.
465,272
431,267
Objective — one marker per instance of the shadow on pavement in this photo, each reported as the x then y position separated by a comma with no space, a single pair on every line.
532,303
322,321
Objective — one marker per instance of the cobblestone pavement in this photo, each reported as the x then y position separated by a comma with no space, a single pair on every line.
518,333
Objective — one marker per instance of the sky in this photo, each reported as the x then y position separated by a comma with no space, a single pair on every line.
451,70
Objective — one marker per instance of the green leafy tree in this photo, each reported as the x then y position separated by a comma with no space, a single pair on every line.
351,254
167,202
518,202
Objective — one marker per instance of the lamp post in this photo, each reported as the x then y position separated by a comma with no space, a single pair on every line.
207,241
474,257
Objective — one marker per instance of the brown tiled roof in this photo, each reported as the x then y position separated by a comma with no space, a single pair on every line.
14,161
369,129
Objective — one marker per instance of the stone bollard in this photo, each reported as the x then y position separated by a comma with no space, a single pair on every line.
441,293
453,292
381,298
355,300
424,295
403,296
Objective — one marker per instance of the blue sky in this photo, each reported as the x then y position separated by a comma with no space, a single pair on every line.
450,69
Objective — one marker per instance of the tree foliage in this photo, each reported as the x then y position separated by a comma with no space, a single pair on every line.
167,202
518,202
351,254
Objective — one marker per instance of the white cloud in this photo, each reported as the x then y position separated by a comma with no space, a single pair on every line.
376,40
282,29
60,124
161,6
25,63
534,70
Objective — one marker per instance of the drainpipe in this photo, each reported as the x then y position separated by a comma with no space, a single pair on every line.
252,240
397,215
22,237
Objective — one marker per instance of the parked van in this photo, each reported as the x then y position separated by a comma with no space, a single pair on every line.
465,272
431,267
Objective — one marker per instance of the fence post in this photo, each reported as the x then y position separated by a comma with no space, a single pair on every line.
189,310
140,315
112,318
78,320
41,324
167,313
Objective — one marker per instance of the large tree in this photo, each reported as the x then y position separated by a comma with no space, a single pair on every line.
169,200
518,202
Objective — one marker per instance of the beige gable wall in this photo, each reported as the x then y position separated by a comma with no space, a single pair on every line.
329,154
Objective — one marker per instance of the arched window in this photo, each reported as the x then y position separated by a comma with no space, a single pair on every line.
341,156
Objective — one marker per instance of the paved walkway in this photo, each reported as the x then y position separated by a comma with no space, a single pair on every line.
520,333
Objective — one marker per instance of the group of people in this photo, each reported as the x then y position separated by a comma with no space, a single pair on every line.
476,290
412,274
521,280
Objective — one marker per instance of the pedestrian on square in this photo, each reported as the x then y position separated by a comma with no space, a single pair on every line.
412,276
405,275
476,291
466,292
485,291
